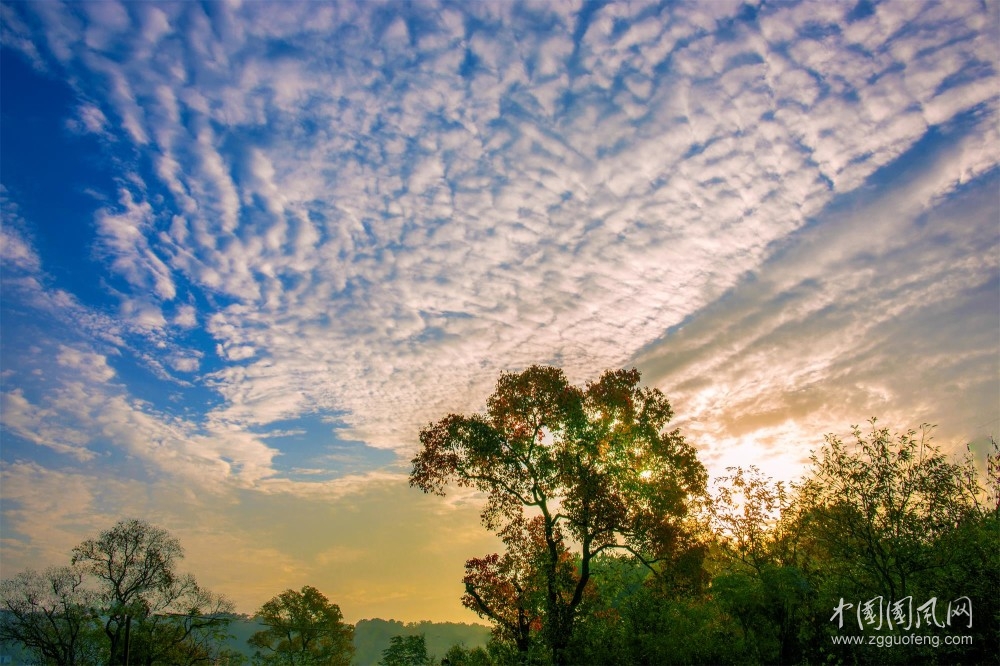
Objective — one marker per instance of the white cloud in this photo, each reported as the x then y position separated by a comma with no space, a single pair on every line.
370,227
185,363
87,365
90,119
852,320
123,236
16,251
43,427
16,34
186,316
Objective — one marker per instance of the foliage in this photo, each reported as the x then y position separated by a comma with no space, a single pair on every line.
50,615
405,651
459,655
151,613
121,600
510,589
303,628
757,581
888,518
752,576
373,636
593,463
745,511
190,630
879,509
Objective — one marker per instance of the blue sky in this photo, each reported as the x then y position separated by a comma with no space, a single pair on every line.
250,248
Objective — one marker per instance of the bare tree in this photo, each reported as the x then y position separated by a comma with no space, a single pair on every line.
49,614
150,611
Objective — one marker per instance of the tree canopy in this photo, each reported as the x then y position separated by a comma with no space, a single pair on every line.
594,463
613,551
121,600
303,628
50,614
406,651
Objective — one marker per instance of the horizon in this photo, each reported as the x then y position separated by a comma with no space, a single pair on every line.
249,250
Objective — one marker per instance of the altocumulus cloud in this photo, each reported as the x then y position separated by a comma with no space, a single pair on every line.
357,214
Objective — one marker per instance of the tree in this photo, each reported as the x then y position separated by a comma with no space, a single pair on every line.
594,463
759,583
884,503
120,601
746,511
190,630
49,614
459,655
150,611
303,628
510,589
892,516
134,563
405,651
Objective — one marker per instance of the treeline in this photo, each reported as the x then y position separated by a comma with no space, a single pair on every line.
373,637
122,600
617,551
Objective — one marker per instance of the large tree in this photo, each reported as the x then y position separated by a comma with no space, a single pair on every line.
889,502
890,517
50,615
303,627
149,610
595,463
121,601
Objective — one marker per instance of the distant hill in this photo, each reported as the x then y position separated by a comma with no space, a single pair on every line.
241,628
372,636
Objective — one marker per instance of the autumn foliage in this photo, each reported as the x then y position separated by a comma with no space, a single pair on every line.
616,552
595,465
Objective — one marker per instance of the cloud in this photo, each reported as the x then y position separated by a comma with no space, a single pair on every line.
90,119
421,196
122,235
186,316
49,511
89,366
367,212
66,500
43,426
851,320
16,249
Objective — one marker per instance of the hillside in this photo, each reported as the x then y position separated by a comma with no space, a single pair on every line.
372,636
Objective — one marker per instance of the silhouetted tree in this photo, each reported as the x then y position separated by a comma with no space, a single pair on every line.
405,651
886,518
121,601
303,628
883,503
595,463
150,611
50,615
459,655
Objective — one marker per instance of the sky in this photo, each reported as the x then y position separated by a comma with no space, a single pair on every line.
250,249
